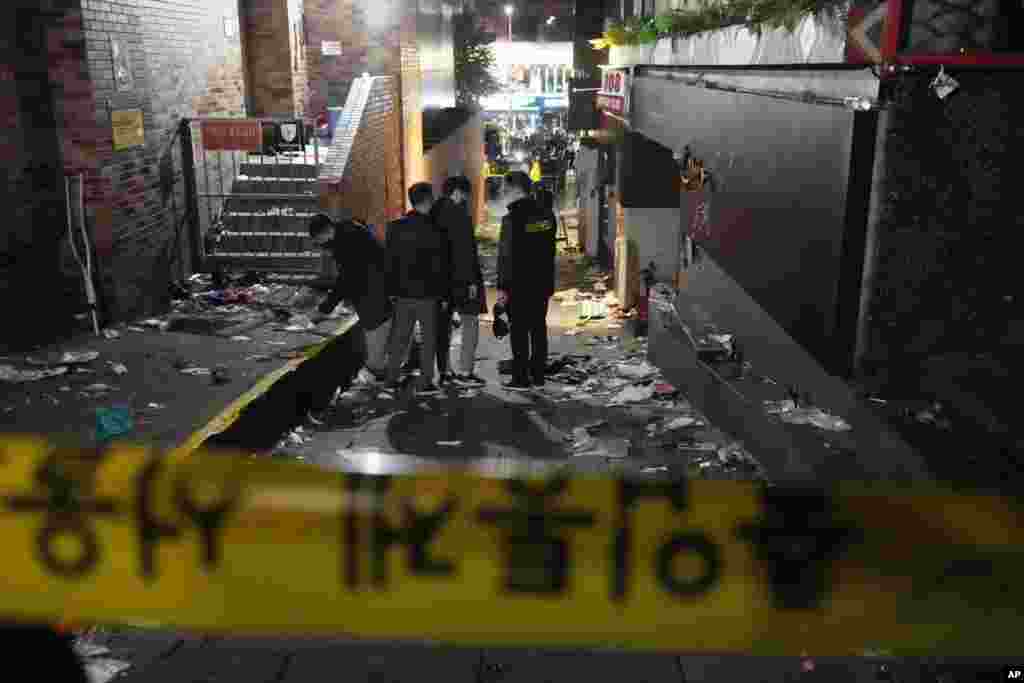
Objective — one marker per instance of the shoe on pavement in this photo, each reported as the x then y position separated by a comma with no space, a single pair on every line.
470,380
518,385
429,389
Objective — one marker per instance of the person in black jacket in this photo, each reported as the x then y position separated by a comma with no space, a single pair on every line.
363,279
468,297
526,279
418,257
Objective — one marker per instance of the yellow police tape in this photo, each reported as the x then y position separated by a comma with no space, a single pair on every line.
214,542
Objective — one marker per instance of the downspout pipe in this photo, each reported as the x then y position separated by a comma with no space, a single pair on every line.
875,208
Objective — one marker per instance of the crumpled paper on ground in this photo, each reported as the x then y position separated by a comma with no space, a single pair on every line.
641,370
66,358
9,373
787,411
633,394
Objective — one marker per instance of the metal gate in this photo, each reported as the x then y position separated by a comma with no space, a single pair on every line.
251,190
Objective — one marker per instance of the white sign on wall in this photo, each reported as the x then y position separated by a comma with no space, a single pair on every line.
330,48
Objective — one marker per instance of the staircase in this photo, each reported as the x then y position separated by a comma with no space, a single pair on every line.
264,223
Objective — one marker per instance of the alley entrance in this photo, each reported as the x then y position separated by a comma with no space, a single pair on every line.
251,192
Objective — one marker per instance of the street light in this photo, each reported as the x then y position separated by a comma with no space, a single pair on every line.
509,11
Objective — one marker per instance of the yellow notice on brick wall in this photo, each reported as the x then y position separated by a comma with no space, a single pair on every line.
128,128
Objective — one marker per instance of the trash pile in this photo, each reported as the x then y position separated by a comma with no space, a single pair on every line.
99,666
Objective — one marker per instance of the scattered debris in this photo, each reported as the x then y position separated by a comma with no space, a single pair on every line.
195,371
9,373
652,470
157,323
132,328
66,358
683,422
449,443
156,406
260,357
119,368
241,338
633,394
113,422
84,371
65,388
111,334
788,411
641,370
97,388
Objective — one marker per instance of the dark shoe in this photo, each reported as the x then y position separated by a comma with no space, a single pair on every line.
469,380
539,382
428,390
446,378
518,385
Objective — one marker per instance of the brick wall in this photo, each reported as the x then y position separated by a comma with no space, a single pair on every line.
297,38
267,25
44,94
362,173
185,60
944,256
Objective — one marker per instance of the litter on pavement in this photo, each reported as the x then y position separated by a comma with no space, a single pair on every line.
97,388
66,358
111,334
241,338
449,443
196,371
119,368
9,373
633,394
113,422
789,412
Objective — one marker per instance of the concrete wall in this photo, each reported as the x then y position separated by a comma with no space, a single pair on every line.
655,234
587,181
460,153
944,259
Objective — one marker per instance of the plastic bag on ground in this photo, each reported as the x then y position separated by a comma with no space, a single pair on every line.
113,422
633,394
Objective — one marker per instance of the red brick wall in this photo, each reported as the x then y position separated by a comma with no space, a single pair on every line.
267,25
184,64
362,174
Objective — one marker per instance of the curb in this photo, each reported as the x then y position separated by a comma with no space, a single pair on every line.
224,420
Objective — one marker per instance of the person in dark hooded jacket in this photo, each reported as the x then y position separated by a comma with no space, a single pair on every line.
526,279
467,297
363,280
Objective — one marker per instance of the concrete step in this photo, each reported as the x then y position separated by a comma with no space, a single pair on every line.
268,242
257,222
273,185
279,169
243,204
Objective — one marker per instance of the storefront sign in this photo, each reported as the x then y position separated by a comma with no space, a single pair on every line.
614,92
330,48
232,134
128,128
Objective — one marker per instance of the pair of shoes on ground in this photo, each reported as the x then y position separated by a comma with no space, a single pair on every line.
523,384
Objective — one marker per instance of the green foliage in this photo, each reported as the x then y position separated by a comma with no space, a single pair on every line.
712,15
474,59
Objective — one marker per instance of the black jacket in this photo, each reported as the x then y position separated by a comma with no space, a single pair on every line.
455,222
526,249
418,253
363,274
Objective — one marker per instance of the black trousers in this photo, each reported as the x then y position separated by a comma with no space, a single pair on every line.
444,339
527,315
